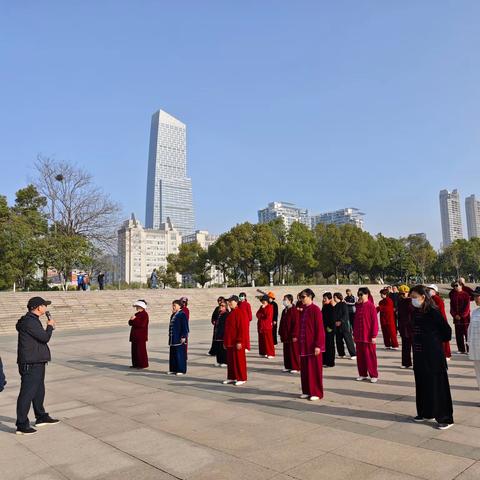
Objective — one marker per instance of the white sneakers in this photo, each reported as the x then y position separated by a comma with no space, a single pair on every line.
373,380
285,370
314,398
294,371
360,379
303,396
239,382
353,358
226,382
269,356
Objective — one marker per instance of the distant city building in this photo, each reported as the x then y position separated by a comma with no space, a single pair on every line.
140,249
423,236
472,207
344,216
451,216
288,212
169,190
204,239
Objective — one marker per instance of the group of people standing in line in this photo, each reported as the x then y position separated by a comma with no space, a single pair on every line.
310,334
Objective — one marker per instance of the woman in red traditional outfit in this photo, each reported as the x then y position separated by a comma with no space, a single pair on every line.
365,331
234,340
265,325
386,308
433,294
312,346
139,335
289,331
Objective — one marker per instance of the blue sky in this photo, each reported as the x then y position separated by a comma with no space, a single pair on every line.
372,104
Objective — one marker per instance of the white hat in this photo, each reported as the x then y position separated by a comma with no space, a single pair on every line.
433,287
141,303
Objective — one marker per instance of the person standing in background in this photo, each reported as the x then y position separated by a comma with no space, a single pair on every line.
213,349
387,320
139,335
101,281
247,310
274,304
474,335
266,348
405,326
460,311
328,316
343,331
365,336
219,332
288,331
350,300
432,291
394,295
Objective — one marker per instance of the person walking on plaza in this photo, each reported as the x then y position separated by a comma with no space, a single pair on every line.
350,300
219,332
386,309
288,331
33,355
266,347
80,281
432,291
247,310
405,327
101,281
274,304
365,333
432,389
460,311
139,335
177,340
213,349
234,339
154,279
328,317
343,330
474,335
312,346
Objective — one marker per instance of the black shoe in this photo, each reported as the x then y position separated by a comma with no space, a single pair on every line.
444,426
46,421
26,431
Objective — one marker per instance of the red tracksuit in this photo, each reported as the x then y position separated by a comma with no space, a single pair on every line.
265,325
441,306
387,322
236,333
288,330
460,306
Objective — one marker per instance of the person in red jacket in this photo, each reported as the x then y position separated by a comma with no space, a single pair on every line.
432,291
139,335
365,331
247,310
234,340
288,330
405,325
266,347
460,311
386,308
312,345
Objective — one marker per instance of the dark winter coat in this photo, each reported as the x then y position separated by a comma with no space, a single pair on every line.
33,340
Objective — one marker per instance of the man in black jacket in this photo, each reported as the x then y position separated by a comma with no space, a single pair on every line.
32,356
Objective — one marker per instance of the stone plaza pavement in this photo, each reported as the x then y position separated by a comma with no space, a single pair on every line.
119,424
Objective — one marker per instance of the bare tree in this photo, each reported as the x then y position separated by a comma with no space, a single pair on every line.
76,206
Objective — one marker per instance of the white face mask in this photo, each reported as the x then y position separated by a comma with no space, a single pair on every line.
416,302
431,293
286,303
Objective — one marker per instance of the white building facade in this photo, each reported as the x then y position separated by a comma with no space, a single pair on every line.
140,249
472,208
451,216
344,216
288,212
169,190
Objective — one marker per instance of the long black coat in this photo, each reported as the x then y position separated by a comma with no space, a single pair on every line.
430,330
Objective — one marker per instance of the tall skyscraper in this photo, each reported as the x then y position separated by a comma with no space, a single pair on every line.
451,216
169,190
472,207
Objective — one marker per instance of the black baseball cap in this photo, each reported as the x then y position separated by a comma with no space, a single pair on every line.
35,302
476,292
233,298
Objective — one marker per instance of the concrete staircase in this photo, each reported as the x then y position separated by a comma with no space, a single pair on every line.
93,309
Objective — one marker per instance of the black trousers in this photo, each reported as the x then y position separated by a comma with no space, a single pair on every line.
433,396
274,333
212,350
351,318
220,352
329,355
343,334
32,390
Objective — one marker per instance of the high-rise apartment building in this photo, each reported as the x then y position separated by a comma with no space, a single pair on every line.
451,216
288,212
344,216
169,190
472,208
140,249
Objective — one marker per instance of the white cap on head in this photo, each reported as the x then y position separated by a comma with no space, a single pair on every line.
140,303
433,287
